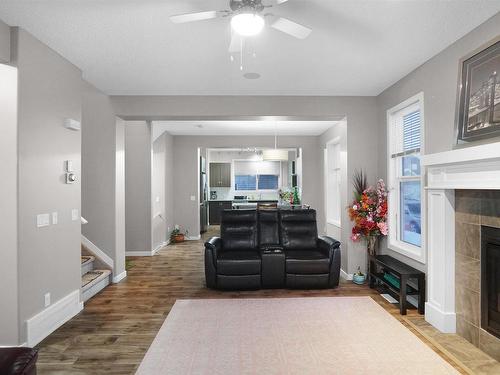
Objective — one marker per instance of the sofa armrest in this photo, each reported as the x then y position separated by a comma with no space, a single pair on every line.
212,247
328,245
332,248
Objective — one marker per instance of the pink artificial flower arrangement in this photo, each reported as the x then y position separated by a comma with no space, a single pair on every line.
369,212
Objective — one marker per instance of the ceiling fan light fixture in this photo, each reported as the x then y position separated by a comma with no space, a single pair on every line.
247,24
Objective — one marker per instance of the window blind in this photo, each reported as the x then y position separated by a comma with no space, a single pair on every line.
407,134
268,182
411,131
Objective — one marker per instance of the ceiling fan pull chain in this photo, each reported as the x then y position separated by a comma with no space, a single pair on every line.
241,54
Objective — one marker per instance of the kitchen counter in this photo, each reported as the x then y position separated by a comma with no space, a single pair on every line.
246,201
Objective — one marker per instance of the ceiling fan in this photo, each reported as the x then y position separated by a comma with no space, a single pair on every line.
247,19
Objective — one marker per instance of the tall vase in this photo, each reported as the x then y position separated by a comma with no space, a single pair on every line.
371,249
372,245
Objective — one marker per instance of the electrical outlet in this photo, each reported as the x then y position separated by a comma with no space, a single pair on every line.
42,220
47,299
74,214
54,218
193,198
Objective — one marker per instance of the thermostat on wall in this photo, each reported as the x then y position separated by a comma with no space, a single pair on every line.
69,123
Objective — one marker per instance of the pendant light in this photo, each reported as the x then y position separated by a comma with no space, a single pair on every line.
275,154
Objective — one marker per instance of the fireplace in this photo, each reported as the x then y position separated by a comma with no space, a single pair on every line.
490,280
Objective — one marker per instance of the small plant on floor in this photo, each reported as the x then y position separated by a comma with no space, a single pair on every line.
359,277
177,236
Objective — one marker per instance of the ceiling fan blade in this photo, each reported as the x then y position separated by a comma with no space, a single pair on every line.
191,17
291,28
281,1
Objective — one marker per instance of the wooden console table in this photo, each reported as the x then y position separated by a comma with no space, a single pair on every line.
403,272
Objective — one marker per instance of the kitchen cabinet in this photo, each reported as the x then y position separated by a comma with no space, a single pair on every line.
214,210
220,174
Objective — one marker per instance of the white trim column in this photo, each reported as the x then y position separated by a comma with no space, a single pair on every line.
440,305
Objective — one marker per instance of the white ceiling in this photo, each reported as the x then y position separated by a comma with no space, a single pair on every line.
357,47
201,128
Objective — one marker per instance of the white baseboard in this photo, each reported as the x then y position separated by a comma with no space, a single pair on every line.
146,253
18,345
138,253
119,277
445,322
101,255
193,238
345,275
44,323
161,246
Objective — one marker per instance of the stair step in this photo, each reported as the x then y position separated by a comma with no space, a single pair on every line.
93,282
87,263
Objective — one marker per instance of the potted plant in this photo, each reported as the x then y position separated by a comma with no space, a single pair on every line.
368,212
359,277
177,236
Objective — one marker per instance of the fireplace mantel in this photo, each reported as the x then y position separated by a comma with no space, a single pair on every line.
476,167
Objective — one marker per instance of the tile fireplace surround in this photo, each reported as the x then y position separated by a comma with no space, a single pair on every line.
473,209
462,193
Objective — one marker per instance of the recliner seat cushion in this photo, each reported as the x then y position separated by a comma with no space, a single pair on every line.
238,263
307,262
239,230
298,229
18,360
268,229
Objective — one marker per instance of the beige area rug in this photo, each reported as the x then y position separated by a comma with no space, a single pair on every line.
337,335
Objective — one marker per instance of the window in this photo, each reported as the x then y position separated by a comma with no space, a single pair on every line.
256,175
245,182
405,125
332,188
268,181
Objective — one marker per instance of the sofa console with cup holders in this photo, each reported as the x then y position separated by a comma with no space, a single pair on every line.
271,248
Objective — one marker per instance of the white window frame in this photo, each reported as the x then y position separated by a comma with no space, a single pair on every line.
394,202
328,171
257,190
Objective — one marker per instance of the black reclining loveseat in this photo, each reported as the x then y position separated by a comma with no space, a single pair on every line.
271,249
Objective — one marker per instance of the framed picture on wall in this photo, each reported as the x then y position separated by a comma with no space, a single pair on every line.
478,115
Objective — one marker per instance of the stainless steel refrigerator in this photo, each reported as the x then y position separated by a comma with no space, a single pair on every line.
203,196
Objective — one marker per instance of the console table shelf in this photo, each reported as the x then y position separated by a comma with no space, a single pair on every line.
404,273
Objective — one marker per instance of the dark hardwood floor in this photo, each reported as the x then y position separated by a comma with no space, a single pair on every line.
113,332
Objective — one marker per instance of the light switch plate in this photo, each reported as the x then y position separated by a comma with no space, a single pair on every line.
157,199
54,217
47,299
69,166
42,220
74,214
193,198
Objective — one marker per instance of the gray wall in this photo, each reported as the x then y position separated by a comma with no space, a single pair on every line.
4,42
50,90
9,325
138,157
102,147
437,78
162,189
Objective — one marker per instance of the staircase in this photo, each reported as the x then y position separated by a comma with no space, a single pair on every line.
93,280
